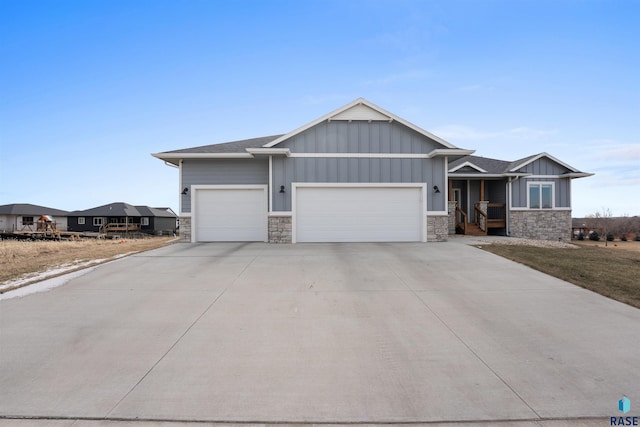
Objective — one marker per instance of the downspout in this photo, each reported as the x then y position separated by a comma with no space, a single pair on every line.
507,208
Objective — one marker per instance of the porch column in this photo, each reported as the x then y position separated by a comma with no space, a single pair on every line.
450,191
482,190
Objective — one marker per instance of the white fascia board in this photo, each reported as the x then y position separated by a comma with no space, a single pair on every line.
577,175
360,184
175,157
475,175
362,155
450,152
269,151
350,105
548,156
471,165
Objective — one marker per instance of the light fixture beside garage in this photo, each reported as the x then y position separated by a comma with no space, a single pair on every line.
282,189
436,189
185,191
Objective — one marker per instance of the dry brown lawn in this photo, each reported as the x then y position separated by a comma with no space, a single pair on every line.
613,271
20,258
629,245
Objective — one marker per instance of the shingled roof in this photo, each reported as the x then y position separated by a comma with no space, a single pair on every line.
228,147
29,209
119,209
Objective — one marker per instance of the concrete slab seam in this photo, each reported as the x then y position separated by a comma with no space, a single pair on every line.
459,338
180,337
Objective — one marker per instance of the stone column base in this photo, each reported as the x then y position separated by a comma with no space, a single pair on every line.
279,229
437,228
185,229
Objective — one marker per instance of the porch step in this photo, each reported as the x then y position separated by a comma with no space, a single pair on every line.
474,230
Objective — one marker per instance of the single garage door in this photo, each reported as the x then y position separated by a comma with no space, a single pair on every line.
230,214
359,214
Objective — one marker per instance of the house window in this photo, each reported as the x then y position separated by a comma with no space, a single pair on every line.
27,220
144,220
541,196
98,221
80,220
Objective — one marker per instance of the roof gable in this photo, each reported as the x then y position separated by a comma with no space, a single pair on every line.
360,109
468,167
519,164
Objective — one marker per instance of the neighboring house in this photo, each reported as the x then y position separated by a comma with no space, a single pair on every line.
123,217
25,216
363,174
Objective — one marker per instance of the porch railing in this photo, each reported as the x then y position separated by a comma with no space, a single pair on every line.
481,218
119,226
496,215
461,220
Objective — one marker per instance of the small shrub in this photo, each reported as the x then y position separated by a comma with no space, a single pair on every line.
594,235
610,237
637,238
623,238
581,236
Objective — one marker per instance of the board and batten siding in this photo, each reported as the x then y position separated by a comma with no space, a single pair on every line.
358,170
562,191
544,166
360,137
221,172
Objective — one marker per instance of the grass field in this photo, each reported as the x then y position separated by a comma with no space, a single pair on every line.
613,271
19,259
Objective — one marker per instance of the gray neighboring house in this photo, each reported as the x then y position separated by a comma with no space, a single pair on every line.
123,217
24,217
363,174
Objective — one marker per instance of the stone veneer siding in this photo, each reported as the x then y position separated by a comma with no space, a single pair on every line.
437,228
540,224
185,229
452,217
279,229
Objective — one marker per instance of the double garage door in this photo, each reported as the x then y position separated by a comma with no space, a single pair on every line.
321,213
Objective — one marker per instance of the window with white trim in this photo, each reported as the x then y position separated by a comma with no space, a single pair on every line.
540,195
144,220
27,220
98,221
81,220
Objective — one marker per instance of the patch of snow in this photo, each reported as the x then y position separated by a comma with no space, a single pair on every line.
48,273
45,285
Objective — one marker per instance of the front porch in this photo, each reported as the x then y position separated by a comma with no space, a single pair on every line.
471,210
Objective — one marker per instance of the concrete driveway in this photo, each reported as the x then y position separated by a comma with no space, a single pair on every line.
316,333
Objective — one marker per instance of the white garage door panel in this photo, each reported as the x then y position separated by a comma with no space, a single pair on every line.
359,214
233,215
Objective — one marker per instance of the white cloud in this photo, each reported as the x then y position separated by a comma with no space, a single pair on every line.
625,152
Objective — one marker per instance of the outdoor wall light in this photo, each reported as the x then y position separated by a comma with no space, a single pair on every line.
185,191
436,189
282,189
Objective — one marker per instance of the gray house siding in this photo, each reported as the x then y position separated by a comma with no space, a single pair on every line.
360,137
544,166
358,170
221,172
562,191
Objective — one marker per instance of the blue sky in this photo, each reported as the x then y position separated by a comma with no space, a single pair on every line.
88,89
